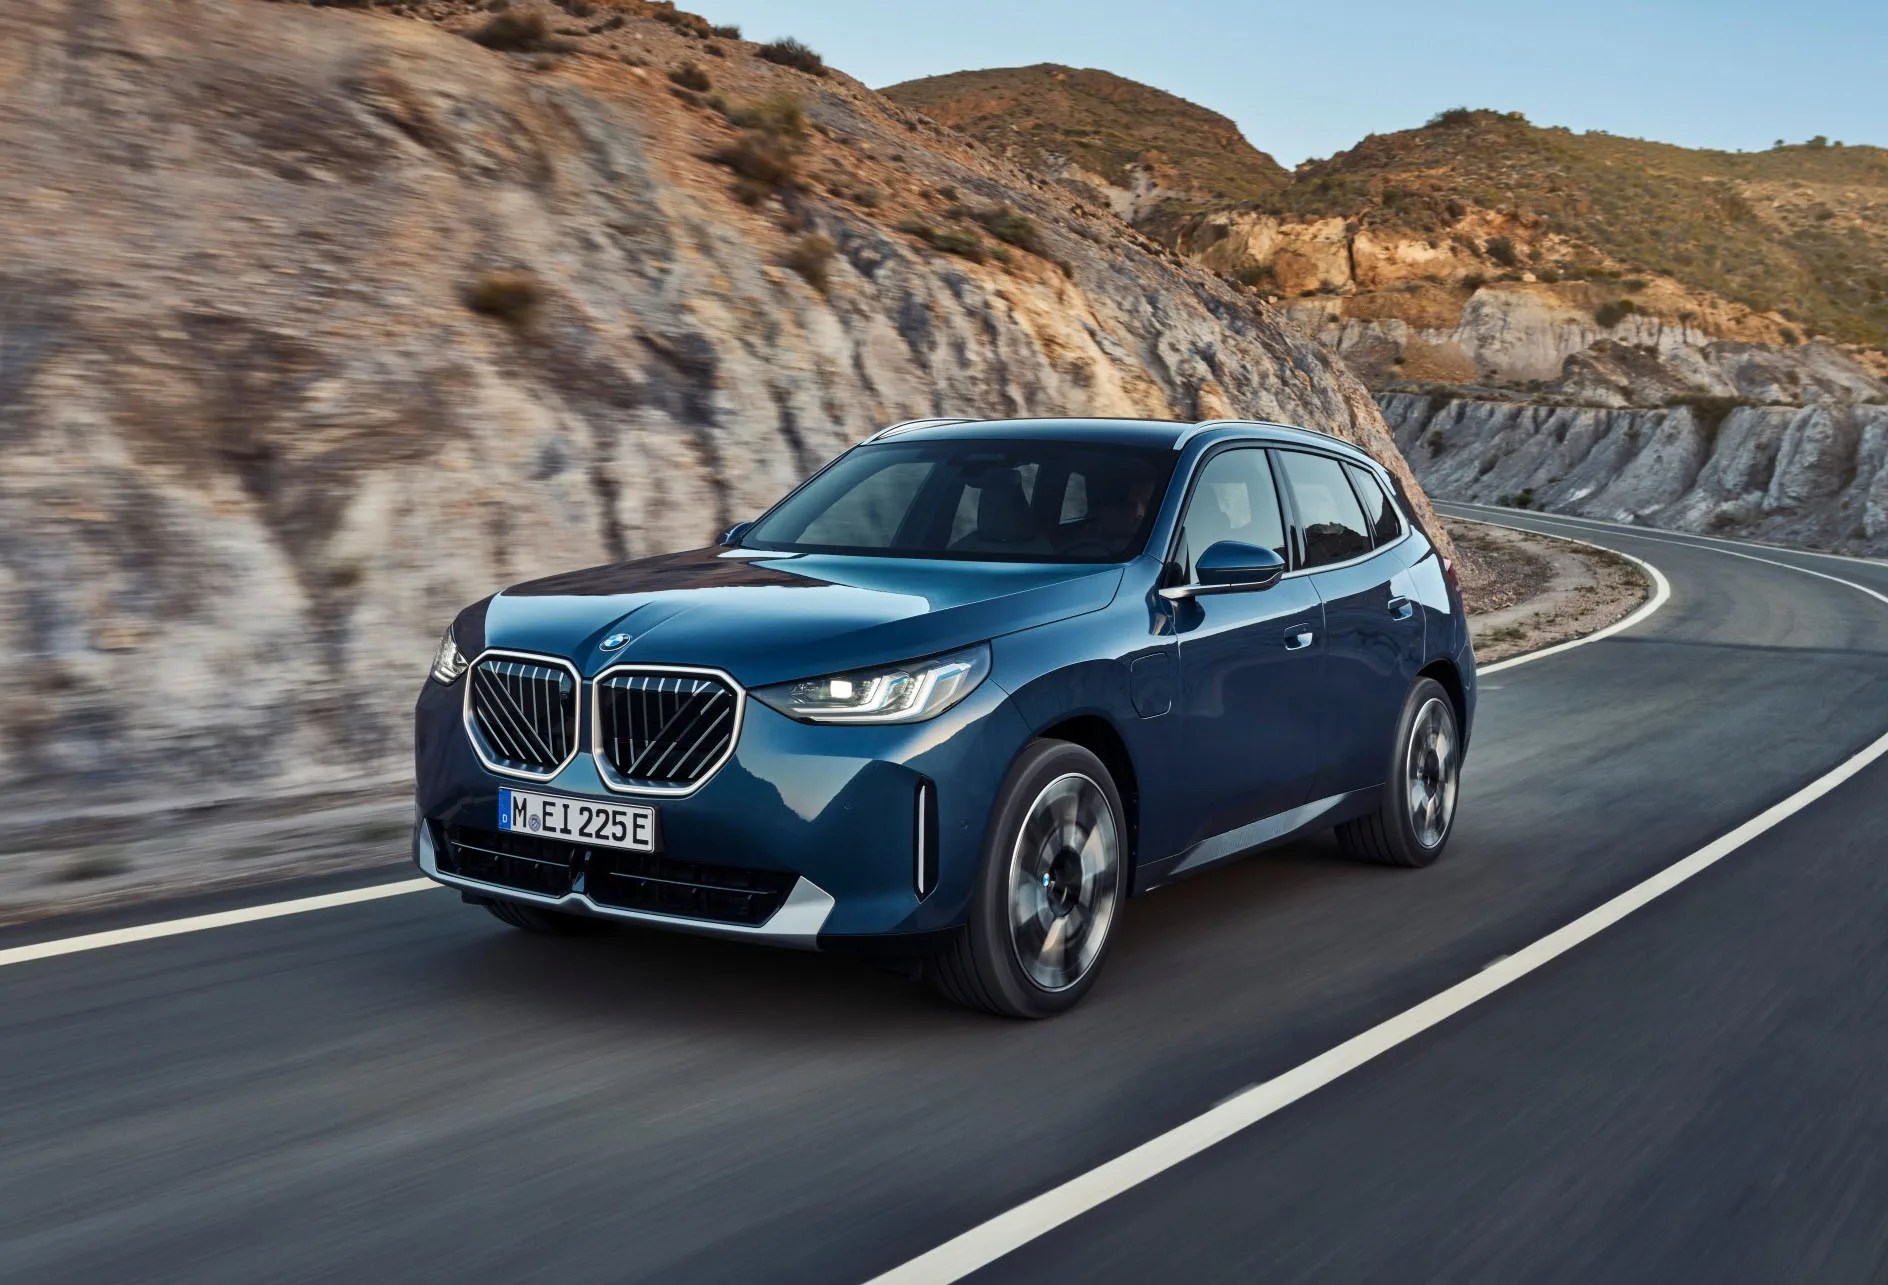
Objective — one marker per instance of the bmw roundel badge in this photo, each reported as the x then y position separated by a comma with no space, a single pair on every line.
614,641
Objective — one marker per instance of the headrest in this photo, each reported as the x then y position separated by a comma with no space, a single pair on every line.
1003,512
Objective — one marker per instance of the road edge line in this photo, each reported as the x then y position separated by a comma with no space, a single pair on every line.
200,923
995,1238
1661,594
999,1236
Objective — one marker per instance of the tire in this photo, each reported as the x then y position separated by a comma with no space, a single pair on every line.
535,919
1413,819
1053,878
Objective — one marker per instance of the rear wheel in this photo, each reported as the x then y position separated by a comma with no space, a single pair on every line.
535,919
1412,820
1053,877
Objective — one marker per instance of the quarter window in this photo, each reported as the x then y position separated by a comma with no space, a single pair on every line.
1379,508
1234,499
1331,524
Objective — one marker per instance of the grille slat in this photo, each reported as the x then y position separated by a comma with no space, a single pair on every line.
615,879
524,713
665,730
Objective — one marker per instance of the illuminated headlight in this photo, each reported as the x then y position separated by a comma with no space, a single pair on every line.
907,693
448,664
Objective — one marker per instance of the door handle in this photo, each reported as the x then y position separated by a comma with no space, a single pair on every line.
1298,639
1402,608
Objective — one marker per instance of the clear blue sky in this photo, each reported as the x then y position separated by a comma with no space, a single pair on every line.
1311,78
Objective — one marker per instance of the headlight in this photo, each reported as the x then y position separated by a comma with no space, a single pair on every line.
448,664
908,693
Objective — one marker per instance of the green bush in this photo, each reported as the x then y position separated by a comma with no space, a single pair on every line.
729,32
1005,224
956,241
1611,314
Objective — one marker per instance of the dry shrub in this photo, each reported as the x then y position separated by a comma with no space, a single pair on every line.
514,33
690,76
506,294
812,257
689,24
766,155
791,53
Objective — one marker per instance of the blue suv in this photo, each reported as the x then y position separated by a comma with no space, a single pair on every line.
957,696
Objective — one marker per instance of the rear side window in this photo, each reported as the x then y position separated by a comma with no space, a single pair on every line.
1379,508
1234,499
1331,524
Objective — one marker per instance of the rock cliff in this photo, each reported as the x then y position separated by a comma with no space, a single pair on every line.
318,322
1807,475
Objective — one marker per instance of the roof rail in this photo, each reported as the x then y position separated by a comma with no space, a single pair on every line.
1206,425
906,425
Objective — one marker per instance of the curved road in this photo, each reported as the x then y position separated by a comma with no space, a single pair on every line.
404,1089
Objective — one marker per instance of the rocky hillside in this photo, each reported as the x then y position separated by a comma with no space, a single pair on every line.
318,322
1485,275
1132,146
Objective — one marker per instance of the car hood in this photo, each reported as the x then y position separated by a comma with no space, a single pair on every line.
768,618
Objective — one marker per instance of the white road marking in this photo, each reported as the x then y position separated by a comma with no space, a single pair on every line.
1686,537
987,1242
1729,553
201,923
1661,594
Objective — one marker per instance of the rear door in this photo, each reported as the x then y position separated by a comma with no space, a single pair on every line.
1373,627
1251,662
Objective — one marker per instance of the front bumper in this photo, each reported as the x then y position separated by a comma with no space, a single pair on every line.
835,808
796,923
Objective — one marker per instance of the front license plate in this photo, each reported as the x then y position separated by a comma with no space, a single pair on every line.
614,825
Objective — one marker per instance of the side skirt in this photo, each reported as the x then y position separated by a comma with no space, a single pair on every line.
1232,844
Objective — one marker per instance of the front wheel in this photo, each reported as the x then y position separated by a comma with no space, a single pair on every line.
1053,878
1411,823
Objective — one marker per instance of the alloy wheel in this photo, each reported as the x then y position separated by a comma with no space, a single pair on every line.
1065,872
1431,770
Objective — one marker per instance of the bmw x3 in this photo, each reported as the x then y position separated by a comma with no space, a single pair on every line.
957,697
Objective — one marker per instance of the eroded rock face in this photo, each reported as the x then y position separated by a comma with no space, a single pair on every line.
1810,475
257,448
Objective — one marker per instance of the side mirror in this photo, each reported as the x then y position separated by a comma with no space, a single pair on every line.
1229,567
734,533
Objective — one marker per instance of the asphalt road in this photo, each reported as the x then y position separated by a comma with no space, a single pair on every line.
404,1089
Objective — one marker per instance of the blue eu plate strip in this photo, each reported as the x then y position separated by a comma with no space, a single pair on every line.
504,809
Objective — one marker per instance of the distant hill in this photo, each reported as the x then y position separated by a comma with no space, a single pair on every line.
1144,144
1802,230
1797,231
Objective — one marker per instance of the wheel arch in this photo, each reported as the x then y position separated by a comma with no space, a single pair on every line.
1449,677
1098,735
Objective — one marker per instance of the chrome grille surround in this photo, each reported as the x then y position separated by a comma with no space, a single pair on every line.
518,724
684,723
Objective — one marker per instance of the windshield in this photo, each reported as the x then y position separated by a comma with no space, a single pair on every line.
1034,501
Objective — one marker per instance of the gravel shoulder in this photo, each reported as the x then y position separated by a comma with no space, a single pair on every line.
1527,591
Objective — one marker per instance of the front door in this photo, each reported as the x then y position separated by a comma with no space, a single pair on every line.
1252,662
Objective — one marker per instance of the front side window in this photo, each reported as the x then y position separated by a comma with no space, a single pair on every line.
971,499
1234,499
1331,524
